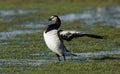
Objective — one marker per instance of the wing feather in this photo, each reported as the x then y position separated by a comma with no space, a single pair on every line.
70,34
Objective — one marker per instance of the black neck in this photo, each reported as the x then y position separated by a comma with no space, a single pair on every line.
54,26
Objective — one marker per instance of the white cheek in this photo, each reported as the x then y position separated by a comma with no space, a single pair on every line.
54,19
51,16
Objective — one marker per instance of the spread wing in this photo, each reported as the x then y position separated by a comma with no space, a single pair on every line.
69,35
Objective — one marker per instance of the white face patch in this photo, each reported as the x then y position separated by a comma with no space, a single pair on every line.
53,18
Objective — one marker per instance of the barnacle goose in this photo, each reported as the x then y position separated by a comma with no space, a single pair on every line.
54,37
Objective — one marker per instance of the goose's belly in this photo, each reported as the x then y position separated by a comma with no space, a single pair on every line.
53,42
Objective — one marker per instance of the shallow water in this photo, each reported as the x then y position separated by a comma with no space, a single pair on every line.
7,19
108,15
7,35
8,15
81,57
22,62
33,25
16,12
99,53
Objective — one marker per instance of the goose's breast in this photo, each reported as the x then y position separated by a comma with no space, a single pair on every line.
52,40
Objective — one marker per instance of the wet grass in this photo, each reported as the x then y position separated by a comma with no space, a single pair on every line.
111,37
107,57
94,67
22,46
46,8
85,68
55,5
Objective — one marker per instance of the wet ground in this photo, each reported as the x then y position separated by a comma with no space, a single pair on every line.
107,15
16,12
7,15
81,57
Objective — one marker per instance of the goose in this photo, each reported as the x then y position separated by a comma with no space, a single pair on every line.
54,37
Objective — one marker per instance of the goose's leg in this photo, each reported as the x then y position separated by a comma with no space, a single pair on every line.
58,57
64,57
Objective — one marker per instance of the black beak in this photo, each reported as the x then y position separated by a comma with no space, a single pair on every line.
49,19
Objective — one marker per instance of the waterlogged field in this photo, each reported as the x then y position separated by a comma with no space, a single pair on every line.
22,48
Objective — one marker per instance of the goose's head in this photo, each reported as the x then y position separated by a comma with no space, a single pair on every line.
56,22
53,18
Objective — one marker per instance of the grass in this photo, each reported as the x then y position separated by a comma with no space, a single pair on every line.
111,40
105,67
95,67
46,8
23,45
35,43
